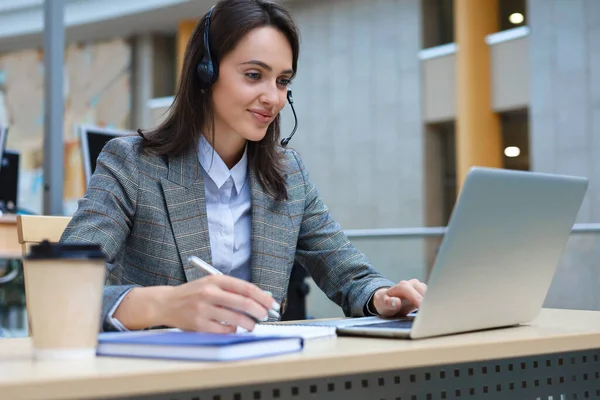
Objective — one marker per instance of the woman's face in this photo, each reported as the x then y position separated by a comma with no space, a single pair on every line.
252,86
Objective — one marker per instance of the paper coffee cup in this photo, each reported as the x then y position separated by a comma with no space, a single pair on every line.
64,285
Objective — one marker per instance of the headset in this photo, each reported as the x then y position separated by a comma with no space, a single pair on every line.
207,73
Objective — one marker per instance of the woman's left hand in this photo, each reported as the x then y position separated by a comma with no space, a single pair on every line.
400,299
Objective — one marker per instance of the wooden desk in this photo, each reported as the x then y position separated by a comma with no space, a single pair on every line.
556,354
9,242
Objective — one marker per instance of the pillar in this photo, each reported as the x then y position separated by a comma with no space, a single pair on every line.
143,80
478,129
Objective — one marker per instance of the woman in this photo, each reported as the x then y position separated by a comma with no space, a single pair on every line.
212,181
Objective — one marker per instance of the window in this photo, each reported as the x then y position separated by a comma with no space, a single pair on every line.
438,22
512,14
515,135
438,19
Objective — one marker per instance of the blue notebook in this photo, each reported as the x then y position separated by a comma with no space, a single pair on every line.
194,345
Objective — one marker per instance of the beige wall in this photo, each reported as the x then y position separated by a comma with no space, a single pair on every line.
510,74
361,132
97,91
510,80
565,128
439,88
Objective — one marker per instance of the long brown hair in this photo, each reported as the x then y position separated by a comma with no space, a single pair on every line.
192,107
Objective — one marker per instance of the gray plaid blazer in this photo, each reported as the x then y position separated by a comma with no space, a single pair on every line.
149,215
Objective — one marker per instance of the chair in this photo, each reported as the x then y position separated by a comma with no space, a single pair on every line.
33,229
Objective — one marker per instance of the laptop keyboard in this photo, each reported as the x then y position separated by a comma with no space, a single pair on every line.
395,324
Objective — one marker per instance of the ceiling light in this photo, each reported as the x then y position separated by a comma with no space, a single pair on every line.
516,18
512,151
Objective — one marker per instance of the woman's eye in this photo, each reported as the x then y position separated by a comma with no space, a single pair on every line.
284,82
253,75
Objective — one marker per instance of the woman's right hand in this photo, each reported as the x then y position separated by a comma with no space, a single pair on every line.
216,304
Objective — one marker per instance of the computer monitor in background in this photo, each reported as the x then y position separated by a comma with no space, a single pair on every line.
9,181
3,135
93,139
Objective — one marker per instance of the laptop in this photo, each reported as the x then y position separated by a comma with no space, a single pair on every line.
497,259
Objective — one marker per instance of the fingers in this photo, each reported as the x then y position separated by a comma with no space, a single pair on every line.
211,326
238,303
411,290
202,322
238,295
393,306
246,289
419,286
403,298
219,304
231,317
216,319
390,306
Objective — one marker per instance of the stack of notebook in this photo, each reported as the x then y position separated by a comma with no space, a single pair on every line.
265,340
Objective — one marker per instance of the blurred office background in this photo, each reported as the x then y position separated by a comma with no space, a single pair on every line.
395,100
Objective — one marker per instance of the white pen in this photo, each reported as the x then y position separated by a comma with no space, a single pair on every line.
198,262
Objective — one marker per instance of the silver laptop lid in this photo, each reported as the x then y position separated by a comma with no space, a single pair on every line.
504,241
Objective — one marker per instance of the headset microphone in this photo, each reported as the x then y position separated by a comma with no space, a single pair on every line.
284,142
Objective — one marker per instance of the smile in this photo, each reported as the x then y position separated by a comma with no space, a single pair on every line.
265,119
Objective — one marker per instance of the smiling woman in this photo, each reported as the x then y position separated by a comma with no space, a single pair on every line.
251,92
212,181
251,49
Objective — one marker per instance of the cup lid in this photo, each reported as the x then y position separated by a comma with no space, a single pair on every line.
47,250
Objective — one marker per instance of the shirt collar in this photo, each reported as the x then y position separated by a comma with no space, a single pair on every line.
216,168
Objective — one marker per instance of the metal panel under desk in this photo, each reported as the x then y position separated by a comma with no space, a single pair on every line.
561,376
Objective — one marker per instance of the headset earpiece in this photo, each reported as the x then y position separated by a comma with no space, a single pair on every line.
205,69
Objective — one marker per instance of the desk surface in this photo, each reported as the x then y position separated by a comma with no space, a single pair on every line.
553,331
8,218
9,242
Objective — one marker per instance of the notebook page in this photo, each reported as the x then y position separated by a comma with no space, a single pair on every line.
304,331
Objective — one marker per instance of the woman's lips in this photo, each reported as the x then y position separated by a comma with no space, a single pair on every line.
262,116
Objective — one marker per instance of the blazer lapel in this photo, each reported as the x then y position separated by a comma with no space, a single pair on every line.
186,204
272,245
